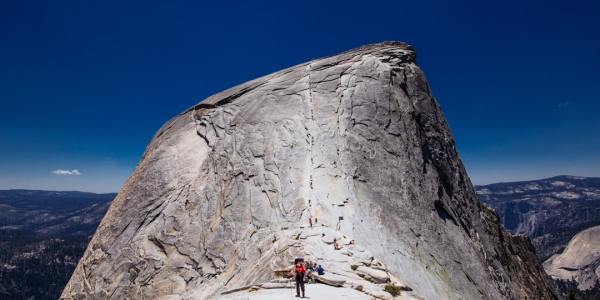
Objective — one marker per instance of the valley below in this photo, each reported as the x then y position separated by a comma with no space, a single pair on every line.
555,213
42,236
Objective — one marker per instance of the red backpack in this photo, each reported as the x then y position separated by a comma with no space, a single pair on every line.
300,268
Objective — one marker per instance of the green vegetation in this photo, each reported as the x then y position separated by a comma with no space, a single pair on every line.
392,289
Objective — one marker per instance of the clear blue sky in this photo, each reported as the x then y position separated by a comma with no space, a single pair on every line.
85,84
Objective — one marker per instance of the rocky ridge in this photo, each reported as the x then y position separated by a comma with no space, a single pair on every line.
220,201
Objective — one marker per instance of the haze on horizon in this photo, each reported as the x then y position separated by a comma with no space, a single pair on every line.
86,85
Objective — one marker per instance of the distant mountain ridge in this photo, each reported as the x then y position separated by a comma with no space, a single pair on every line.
42,236
549,211
52,212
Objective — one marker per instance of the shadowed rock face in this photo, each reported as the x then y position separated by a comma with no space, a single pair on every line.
580,261
222,196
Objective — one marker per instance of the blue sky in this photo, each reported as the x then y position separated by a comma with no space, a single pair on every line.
84,85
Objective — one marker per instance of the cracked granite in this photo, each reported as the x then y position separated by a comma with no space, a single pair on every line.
356,141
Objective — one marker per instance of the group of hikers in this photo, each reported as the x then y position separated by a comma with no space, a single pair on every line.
304,272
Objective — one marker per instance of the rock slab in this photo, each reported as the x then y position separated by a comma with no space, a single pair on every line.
580,261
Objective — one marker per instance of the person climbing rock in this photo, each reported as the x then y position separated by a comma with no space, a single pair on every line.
300,270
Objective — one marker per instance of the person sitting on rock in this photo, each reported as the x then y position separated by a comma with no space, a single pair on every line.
336,246
320,270
300,271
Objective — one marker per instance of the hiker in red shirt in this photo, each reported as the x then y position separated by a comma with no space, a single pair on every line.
300,270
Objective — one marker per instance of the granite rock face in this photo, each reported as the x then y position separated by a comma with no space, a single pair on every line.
222,196
580,261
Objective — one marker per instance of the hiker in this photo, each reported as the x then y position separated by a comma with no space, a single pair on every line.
309,265
310,221
308,277
300,270
320,270
313,270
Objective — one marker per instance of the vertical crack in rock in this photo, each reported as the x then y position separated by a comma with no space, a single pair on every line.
311,141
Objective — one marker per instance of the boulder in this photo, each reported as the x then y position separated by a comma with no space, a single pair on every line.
330,279
375,275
